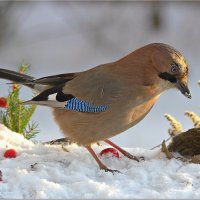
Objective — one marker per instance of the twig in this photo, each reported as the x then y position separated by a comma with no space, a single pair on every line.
65,149
1,176
33,166
165,150
161,143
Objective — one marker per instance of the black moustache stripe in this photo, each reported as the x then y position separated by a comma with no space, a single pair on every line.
168,77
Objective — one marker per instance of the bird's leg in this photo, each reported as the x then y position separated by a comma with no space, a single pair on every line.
125,153
101,165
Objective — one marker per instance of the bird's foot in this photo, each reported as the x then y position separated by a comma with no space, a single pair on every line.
113,171
125,153
132,157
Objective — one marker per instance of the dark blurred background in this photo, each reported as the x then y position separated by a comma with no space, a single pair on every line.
60,37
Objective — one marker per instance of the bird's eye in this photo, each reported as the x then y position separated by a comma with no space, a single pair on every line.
175,68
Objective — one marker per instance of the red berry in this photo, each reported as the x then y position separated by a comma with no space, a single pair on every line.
113,151
3,102
10,153
14,86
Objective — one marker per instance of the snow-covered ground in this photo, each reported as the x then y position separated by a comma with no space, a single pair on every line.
74,174
70,36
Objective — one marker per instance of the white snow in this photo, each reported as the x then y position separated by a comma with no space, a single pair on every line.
59,174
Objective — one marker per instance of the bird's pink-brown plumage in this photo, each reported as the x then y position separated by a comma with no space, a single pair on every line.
129,86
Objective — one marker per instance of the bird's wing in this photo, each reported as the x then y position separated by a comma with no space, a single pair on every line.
90,91
98,86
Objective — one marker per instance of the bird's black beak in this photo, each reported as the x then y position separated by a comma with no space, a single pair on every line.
183,88
181,84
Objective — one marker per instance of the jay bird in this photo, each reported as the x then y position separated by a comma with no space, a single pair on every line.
108,99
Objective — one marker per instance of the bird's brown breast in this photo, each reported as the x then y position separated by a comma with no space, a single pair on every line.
87,128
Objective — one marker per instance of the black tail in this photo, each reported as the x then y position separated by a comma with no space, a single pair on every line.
51,82
17,77
46,86
14,76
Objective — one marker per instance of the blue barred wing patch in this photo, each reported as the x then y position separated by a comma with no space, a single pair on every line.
83,106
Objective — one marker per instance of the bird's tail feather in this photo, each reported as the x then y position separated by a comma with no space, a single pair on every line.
16,77
55,79
46,86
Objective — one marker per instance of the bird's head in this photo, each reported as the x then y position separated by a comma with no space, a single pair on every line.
171,67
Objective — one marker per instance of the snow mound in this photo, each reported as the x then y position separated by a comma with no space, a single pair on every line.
47,171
